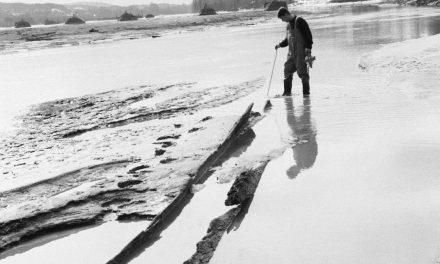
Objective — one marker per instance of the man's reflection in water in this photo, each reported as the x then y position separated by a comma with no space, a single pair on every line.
305,148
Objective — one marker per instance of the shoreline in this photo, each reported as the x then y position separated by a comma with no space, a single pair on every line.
27,39
14,40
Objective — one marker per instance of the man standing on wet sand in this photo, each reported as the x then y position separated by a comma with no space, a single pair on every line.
299,39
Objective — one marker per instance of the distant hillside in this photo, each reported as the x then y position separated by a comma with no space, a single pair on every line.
89,4
231,5
38,13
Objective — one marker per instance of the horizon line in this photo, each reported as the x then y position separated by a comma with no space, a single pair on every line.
91,3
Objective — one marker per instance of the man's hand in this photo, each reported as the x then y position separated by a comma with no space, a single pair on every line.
309,59
277,46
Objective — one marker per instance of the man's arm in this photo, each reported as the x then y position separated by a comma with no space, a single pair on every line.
303,27
283,43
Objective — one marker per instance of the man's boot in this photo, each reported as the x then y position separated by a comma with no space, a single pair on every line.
306,87
287,86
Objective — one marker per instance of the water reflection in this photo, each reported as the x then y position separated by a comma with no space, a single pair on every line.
394,29
95,244
241,215
366,25
305,147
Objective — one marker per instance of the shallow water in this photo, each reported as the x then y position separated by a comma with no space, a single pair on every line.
358,183
368,196
363,186
82,245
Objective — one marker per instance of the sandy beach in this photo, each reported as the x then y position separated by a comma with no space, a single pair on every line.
147,136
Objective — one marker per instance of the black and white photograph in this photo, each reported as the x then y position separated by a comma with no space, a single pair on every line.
219,131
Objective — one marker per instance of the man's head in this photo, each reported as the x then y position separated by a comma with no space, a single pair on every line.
284,14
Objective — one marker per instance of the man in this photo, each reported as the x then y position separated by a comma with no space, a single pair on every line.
299,39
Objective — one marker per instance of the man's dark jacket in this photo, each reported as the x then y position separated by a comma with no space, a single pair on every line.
303,27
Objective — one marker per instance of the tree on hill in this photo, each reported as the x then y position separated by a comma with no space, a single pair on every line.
22,23
206,11
74,20
127,17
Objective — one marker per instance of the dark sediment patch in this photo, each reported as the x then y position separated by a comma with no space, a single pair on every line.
255,114
159,152
165,144
206,247
137,98
128,183
78,132
166,87
137,168
194,129
169,137
206,118
167,160
115,201
245,185
135,217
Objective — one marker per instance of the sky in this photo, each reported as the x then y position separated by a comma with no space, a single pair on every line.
114,2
